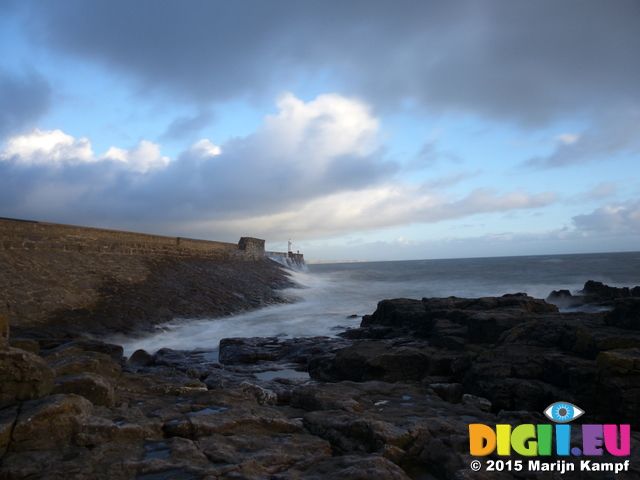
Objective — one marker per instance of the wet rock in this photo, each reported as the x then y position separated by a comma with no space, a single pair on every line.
356,467
8,418
95,388
451,392
599,292
334,397
401,313
618,377
391,399
625,314
71,358
49,422
487,327
4,331
235,351
140,358
478,402
26,344
265,456
262,395
23,376
248,351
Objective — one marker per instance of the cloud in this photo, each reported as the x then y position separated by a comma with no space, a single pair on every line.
449,180
140,159
375,208
204,149
23,100
186,127
611,217
312,170
529,62
47,148
429,155
306,151
599,191
613,136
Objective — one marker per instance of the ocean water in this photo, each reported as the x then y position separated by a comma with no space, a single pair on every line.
330,294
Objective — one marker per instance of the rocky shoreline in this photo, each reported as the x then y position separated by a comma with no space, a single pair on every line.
392,399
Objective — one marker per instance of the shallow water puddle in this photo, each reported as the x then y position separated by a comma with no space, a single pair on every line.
284,373
209,410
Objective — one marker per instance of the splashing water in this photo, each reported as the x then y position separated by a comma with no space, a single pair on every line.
332,297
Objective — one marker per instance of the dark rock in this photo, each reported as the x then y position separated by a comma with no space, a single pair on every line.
626,314
26,344
95,388
618,380
4,331
71,358
451,392
262,395
391,399
598,292
265,456
401,313
23,376
477,402
339,397
235,351
49,422
486,327
140,358
8,418
557,295
249,351
355,467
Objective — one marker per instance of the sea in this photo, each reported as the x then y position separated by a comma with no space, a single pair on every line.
330,297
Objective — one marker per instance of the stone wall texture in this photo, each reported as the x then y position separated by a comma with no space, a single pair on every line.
28,235
90,279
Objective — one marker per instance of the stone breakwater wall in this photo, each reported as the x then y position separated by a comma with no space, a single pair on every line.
294,261
29,235
79,279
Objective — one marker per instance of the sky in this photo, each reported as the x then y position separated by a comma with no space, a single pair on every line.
360,130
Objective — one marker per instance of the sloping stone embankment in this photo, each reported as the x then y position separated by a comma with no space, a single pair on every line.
76,292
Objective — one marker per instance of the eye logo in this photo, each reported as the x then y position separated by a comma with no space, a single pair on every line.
563,412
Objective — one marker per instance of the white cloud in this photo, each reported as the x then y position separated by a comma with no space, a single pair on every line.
140,159
312,170
205,148
307,151
54,148
568,138
47,148
375,208
611,217
313,134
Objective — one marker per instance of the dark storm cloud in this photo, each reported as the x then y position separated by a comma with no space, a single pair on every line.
23,100
531,62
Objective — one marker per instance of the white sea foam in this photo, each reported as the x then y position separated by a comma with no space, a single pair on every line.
331,293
